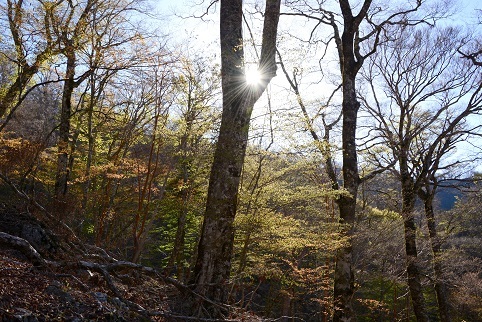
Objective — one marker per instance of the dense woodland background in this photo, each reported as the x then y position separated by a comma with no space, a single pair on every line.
109,126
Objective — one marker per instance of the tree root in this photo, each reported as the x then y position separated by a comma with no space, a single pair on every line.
24,247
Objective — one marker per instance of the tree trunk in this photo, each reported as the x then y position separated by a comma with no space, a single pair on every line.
90,147
177,254
344,277
343,287
213,264
216,244
410,230
440,287
62,174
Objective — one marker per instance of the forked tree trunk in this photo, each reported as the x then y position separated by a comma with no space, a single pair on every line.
71,42
343,288
213,264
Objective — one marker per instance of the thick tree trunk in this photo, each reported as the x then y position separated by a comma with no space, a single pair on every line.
344,277
440,287
215,247
413,270
213,264
62,174
410,234
343,288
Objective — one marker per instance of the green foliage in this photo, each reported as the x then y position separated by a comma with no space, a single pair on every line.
286,232
381,300
163,236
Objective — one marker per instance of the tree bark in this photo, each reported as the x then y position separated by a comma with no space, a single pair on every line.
62,174
410,230
344,277
213,264
343,287
439,285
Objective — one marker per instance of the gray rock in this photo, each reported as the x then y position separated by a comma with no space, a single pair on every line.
24,315
101,297
54,289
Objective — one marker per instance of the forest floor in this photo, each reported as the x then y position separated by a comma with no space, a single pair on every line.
53,276
47,276
32,293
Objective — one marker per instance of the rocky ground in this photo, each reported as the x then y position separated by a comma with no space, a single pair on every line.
29,293
33,293
46,276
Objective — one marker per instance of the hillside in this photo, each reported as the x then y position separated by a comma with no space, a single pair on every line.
61,279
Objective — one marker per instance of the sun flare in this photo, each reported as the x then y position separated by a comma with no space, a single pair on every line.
253,76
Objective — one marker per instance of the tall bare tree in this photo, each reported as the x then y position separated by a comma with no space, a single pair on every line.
197,85
88,31
213,265
356,37
421,120
70,32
